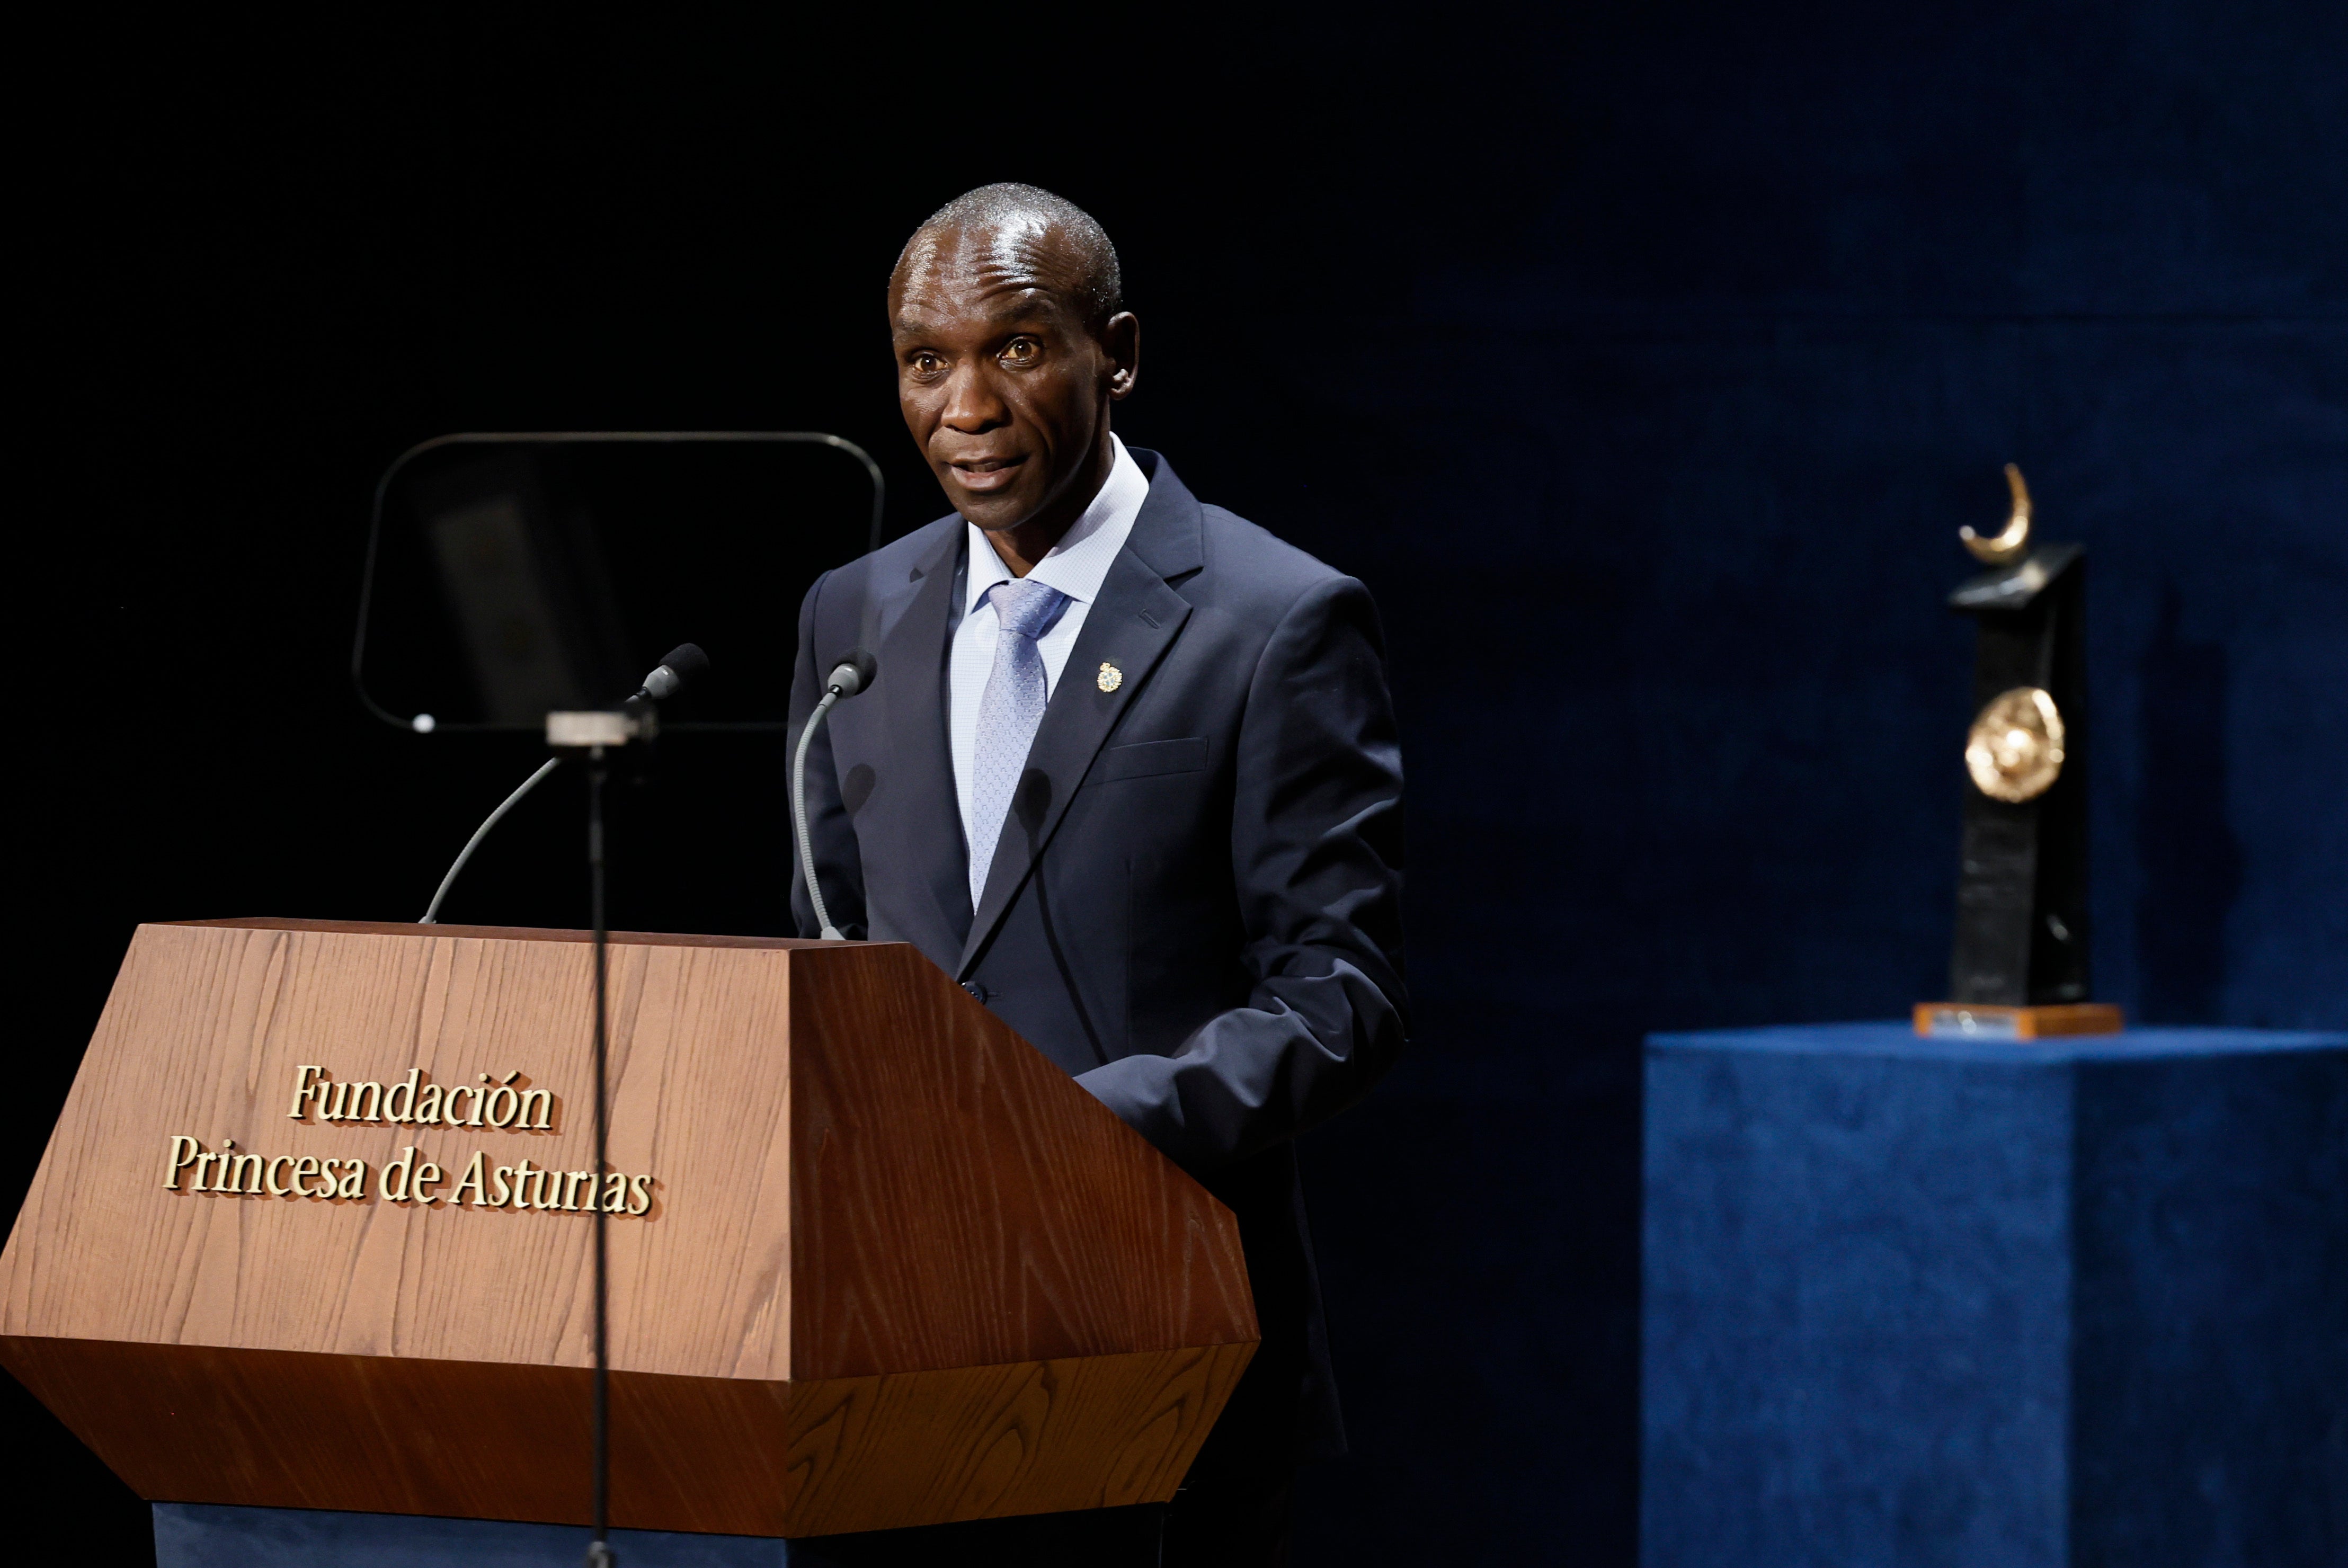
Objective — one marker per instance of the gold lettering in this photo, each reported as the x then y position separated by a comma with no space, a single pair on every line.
456,1117
477,1104
511,1103
545,1099
472,1178
397,1192
302,1076
372,1093
335,1099
405,1178
427,1106
403,1097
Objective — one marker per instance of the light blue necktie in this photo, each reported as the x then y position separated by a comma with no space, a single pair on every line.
1008,713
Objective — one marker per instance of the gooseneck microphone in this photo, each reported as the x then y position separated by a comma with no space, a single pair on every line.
679,668
681,665
851,673
432,910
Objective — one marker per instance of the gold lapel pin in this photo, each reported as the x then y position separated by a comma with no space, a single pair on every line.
1110,676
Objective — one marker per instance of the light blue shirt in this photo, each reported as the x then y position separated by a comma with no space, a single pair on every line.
1077,566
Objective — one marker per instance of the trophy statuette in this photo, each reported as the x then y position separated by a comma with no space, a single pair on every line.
2018,966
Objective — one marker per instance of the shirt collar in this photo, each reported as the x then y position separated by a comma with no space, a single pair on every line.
1079,564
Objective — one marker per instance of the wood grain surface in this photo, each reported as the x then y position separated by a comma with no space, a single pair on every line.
859,1175
729,1456
931,1224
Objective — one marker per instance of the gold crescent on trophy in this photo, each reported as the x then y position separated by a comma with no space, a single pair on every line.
2014,538
2014,750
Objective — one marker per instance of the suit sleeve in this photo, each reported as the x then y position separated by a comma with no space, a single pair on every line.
1317,859
836,859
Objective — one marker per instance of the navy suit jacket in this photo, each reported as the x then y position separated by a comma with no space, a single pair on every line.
1194,906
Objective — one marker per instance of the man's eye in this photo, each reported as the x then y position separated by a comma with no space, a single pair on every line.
926,364
1021,351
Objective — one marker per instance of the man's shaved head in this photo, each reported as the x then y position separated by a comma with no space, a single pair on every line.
1032,231
1011,340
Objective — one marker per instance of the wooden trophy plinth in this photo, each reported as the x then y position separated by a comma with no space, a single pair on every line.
1982,1020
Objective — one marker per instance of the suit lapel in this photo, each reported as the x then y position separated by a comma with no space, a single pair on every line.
1130,625
911,688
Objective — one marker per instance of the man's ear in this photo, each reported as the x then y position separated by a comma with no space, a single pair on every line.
1120,337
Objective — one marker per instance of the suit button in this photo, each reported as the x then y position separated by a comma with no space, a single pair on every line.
977,991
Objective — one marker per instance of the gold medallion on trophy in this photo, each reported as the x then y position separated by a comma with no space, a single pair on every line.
2014,750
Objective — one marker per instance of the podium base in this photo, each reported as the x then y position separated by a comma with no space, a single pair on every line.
206,1535
1987,1021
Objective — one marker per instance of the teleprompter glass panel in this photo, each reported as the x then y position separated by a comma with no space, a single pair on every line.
511,575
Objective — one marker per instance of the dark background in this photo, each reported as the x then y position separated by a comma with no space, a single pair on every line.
1643,360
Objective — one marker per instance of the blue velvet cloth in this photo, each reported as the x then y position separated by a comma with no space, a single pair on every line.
1954,1301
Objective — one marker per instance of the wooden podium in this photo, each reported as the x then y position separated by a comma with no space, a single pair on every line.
875,1261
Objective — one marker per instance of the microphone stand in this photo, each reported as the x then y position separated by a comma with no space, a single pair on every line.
851,674
599,1551
830,932
432,914
680,665
596,732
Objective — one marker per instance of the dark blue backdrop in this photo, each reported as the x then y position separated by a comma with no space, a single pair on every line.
1642,360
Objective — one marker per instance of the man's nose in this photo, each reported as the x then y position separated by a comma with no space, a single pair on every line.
972,403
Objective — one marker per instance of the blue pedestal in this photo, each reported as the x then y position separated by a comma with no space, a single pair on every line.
1928,1302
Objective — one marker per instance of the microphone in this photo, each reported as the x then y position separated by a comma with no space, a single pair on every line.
681,665
851,673
679,668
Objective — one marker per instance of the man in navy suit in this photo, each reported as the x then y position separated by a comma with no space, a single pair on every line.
1128,772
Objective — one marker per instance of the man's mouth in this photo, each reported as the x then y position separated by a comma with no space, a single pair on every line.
986,473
